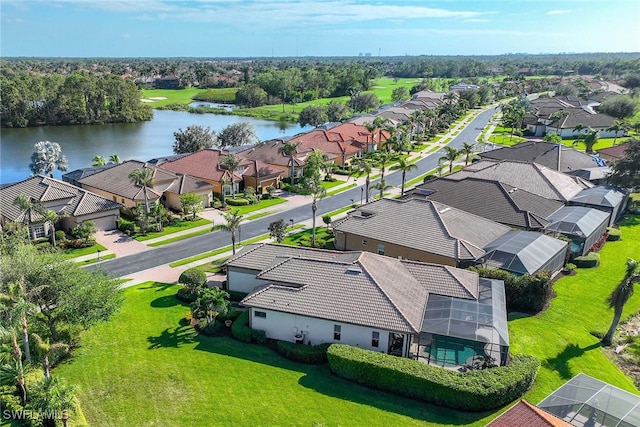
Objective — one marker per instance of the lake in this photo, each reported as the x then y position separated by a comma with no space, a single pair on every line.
140,141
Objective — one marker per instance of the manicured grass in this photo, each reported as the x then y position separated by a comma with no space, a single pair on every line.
259,215
560,335
94,260
260,205
321,233
341,189
330,184
75,253
144,368
341,210
178,238
602,143
180,225
181,96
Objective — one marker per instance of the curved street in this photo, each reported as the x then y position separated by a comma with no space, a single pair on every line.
129,264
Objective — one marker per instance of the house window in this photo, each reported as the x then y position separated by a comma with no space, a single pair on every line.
364,243
122,200
380,249
375,339
115,198
38,231
260,314
337,330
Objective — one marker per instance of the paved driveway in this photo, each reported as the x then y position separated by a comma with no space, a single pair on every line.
119,243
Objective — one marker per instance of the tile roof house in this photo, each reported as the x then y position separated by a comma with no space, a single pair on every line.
532,177
267,152
584,226
421,230
73,205
490,199
335,145
525,414
614,153
606,198
167,187
373,302
554,156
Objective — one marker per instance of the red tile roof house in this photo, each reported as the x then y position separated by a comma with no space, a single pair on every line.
356,135
331,143
205,165
267,152
613,154
167,187
525,414
72,204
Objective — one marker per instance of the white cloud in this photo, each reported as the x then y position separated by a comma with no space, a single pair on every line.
558,12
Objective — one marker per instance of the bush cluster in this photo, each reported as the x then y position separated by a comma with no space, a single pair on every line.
238,201
528,293
590,260
126,226
613,234
236,295
242,332
475,390
315,354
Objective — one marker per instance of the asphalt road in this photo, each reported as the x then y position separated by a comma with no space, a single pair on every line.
123,266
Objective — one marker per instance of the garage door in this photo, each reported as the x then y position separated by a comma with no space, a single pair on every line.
105,223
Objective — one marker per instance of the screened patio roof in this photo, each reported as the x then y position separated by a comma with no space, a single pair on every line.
586,401
483,320
577,220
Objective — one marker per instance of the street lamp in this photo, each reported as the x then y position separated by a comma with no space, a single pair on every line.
291,221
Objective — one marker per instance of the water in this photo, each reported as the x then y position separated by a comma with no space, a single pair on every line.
140,141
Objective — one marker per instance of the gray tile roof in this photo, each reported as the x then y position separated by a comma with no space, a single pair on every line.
423,225
116,180
372,290
532,177
492,200
69,200
258,256
543,153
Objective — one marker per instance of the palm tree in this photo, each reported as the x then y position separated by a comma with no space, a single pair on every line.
114,158
371,128
579,128
557,117
620,296
589,138
383,161
33,210
232,225
382,186
467,150
405,166
290,149
380,122
51,217
365,167
160,214
15,307
47,157
143,177
450,155
209,303
98,161
46,350
51,397
316,191
223,183
618,126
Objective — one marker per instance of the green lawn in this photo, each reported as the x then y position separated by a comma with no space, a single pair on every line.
560,335
75,253
143,368
181,96
180,225
94,260
260,205
321,233
178,238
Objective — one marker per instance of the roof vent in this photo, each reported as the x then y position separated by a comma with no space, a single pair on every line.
354,270
448,208
513,190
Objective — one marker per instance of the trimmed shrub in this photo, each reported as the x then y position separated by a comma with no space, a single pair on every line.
193,278
230,315
528,293
258,336
61,236
212,329
613,234
590,260
238,202
126,226
315,354
186,295
240,328
474,390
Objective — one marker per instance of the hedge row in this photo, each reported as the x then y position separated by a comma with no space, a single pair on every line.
315,354
527,293
590,260
481,390
242,332
238,202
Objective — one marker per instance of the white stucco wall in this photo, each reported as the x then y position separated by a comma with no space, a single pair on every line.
242,280
283,326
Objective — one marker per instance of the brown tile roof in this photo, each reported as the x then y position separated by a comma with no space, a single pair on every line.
423,225
532,177
267,152
616,151
259,256
329,142
187,184
525,414
362,288
493,200
116,180
70,200
202,164
257,169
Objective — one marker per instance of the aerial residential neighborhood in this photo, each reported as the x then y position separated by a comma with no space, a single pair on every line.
445,234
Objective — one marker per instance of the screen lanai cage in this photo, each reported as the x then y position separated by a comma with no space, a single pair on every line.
587,402
459,332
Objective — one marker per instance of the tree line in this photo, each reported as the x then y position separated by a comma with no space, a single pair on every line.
76,99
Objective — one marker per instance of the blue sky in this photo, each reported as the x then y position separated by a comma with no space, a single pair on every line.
224,28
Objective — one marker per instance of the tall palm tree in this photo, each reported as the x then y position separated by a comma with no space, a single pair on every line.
232,225
383,161
290,149
579,128
617,127
467,150
223,183
380,122
51,217
316,191
32,211
589,138
371,128
365,167
46,350
143,177
450,155
52,397
405,166
114,158
382,186
47,157
98,161
230,163
620,296
558,116
15,307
